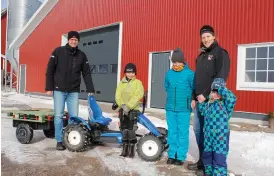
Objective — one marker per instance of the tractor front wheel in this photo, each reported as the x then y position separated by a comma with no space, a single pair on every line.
75,138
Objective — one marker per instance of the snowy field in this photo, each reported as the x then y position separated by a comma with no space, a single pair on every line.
251,154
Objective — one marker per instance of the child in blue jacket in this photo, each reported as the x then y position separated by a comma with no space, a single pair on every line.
179,85
217,112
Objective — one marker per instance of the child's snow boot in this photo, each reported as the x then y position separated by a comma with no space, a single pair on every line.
195,166
131,150
178,162
200,172
170,161
125,150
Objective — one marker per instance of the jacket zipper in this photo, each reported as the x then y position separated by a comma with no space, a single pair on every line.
187,103
66,75
175,100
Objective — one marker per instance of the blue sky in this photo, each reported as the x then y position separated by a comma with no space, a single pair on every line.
4,3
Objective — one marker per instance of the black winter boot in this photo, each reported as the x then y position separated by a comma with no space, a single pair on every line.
131,150
178,162
200,173
170,161
195,166
125,150
60,146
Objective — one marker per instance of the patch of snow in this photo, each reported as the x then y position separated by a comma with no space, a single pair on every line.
235,125
263,126
251,153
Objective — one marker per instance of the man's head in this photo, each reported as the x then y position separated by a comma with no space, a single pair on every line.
207,35
73,38
130,70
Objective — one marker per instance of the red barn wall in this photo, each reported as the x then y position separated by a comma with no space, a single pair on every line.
157,25
3,40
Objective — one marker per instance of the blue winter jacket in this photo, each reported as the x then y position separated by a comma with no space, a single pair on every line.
179,87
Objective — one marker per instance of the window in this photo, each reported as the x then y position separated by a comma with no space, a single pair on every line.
113,68
103,69
92,69
100,41
256,67
94,42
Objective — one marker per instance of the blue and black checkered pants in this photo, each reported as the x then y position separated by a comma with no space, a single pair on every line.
216,141
216,132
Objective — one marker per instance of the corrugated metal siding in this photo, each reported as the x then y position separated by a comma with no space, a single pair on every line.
3,39
157,25
3,33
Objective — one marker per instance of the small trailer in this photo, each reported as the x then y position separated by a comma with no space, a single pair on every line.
35,119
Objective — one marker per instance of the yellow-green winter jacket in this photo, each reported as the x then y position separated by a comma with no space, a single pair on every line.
129,93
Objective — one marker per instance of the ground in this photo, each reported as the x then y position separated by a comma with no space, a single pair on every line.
250,152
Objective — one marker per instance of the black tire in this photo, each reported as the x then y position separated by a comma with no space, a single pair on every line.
24,133
31,130
149,148
164,133
49,133
75,138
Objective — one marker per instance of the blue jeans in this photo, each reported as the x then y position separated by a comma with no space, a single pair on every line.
198,129
60,98
178,134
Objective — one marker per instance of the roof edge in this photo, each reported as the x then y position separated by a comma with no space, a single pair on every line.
34,21
3,12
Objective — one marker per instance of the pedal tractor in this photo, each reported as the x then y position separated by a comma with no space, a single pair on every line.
81,132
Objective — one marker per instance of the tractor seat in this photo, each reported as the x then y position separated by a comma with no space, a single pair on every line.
96,112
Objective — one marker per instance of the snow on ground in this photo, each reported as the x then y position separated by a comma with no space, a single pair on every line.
250,153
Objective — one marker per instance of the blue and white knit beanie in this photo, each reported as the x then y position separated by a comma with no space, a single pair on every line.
217,83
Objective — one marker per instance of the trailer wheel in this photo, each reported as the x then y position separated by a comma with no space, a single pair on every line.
49,133
75,138
24,133
149,148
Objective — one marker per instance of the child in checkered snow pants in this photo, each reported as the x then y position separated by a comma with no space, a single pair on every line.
217,112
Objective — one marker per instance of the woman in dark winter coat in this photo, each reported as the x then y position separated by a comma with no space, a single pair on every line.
213,62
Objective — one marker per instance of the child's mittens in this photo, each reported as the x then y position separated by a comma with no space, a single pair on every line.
218,83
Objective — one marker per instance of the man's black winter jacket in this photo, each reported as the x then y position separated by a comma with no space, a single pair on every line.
213,62
64,70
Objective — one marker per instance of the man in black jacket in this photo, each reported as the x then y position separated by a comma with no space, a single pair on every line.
213,62
63,79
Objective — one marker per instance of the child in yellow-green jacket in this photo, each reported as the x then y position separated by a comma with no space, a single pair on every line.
128,95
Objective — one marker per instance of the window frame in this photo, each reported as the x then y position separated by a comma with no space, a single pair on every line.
241,63
111,68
